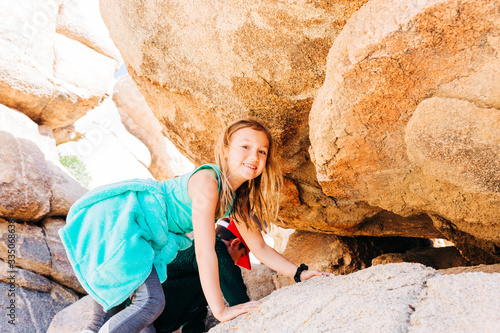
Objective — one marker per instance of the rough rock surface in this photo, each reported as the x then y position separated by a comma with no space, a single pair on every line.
470,299
39,250
34,184
47,69
33,310
140,121
24,278
342,255
33,277
23,195
479,268
65,320
81,21
437,258
61,269
408,117
201,66
384,298
259,281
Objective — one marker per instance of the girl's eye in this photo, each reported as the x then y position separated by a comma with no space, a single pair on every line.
263,152
244,147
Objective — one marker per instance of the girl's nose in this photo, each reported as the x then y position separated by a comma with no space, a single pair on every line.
255,155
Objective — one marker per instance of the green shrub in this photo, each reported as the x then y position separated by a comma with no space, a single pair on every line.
77,168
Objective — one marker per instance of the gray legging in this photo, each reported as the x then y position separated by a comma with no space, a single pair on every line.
147,304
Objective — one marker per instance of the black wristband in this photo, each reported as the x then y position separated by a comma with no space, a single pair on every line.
301,268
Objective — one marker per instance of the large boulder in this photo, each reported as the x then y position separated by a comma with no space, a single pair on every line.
384,298
259,281
435,257
50,69
34,183
81,21
343,255
30,300
140,121
65,321
61,270
23,195
201,66
39,250
407,119
31,311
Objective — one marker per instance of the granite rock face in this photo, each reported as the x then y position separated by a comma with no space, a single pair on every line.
34,186
34,183
65,320
259,281
39,250
467,307
201,66
364,158
140,121
55,62
407,119
343,255
435,257
35,276
33,310
383,298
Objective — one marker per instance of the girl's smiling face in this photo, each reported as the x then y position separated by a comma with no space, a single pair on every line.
246,155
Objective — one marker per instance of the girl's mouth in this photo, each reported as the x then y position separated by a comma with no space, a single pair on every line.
250,166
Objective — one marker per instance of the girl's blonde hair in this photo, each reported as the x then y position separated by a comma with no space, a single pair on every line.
256,201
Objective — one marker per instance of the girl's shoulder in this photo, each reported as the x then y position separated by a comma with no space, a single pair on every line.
207,169
203,187
206,173
212,167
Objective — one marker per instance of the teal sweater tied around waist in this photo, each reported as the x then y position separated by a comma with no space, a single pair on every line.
116,233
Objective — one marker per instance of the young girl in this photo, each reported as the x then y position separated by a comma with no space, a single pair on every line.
120,237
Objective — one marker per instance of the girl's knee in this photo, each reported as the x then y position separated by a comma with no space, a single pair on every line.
160,299
156,303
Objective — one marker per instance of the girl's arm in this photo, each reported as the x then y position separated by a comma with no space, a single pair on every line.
203,191
270,257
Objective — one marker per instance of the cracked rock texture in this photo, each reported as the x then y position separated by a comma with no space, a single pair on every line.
56,63
39,250
408,117
34,183
386,118
56,59
40,280
352,90
201,66
461,295
65,320
384,298
34,310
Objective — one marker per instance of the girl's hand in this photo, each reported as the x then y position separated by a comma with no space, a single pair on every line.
229,313
306,275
